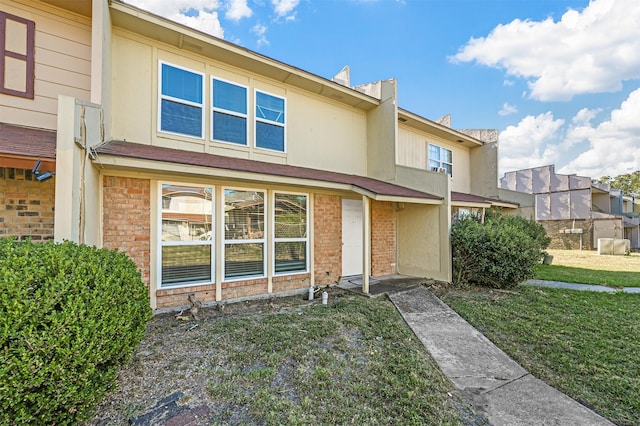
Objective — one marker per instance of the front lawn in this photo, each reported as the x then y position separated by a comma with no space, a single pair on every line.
288,361
587,267
585,344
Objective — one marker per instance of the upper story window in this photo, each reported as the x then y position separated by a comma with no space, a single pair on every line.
440,159
17,51
181,107
229,112
270,122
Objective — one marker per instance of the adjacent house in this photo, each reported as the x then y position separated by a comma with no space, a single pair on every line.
574,210
220,171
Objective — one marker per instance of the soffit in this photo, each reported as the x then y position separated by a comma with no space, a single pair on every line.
81,7
410,119
169,32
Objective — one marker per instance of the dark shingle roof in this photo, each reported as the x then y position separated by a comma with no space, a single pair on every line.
27,141
155,153
470,198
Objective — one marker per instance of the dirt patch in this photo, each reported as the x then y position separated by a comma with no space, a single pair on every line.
175,358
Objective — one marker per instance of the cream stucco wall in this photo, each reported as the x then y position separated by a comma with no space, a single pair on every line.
484,172
412,151
320,132
62,63
424,251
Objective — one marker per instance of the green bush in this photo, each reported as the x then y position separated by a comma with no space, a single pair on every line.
70,315
500,253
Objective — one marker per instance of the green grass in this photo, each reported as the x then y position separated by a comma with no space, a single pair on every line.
587,276
354,362
587,267
585,344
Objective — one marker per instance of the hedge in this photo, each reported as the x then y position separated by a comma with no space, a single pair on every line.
70,315
500,253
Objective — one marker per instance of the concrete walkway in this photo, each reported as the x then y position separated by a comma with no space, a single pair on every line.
587,287
502,391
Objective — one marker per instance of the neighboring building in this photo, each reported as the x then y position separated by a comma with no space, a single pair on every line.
220,171
575,211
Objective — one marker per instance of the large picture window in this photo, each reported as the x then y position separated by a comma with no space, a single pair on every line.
290,233
270,122
187,242
244,239
440,158
181,108
229,112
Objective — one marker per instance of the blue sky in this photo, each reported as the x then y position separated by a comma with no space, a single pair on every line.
559,79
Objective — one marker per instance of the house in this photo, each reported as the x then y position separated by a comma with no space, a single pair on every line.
219,171
574,210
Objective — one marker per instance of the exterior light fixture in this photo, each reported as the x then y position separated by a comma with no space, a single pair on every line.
41,176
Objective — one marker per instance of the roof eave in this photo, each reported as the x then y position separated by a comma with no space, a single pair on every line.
163,30
411,119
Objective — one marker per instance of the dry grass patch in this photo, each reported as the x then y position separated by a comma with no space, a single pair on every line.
591,260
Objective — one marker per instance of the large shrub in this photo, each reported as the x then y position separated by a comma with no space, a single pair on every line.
70,315
500,253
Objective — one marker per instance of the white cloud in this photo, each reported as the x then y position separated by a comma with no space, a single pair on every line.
260,31
238,9
507,109
201,15
285,8
588,51
614,145
584,116
530,143
611,147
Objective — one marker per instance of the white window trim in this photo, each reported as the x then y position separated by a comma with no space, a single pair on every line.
286,240
162,244
262,240
234,113
182,101
441,162
275,123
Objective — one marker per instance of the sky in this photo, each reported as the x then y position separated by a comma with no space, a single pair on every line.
559,79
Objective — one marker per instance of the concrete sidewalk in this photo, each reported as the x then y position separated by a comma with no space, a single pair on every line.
585,287
502,391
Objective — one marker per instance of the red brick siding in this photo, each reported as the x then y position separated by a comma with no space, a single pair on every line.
291,282
327,231
26,205
174,297
383,238
127,219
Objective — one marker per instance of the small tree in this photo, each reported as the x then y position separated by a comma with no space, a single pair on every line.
500,253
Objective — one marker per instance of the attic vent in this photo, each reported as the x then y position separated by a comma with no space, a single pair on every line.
402,120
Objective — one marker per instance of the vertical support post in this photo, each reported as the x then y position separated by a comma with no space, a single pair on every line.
366,243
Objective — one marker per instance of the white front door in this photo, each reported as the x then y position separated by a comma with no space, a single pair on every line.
351,237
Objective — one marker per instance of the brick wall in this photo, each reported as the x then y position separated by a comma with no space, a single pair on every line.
177,297
569,241
290,282
383,238
26,205
127,219
327,229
